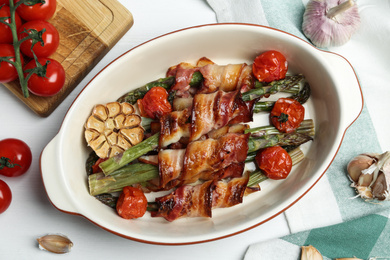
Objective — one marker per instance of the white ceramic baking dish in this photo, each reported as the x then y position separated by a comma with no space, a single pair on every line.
335,104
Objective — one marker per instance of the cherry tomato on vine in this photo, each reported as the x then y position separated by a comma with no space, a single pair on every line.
132,203
51,39
5,196
5,30
270,66
155,103
38,11
275,162
287,114
49,84
4,2
8,72
15,157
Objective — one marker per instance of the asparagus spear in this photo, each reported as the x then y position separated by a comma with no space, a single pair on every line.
166,83
141,172
288,84
120,160
301,96
126,176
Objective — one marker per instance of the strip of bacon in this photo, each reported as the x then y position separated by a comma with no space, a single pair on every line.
216,77
214,154
199,200
224,77
203,159
173,127
215,110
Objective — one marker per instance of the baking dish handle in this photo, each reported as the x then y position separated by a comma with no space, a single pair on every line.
347,82
53,181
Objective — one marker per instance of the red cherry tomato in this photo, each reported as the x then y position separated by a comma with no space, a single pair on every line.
5,196
4,2
275,162
155,103
5,30
270,66
49,84
132,203
15,157
51,39
38,11
8,72
95,167
287,114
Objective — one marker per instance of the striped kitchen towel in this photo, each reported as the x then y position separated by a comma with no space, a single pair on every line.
332,203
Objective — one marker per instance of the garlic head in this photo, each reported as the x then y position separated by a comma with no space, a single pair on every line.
330,22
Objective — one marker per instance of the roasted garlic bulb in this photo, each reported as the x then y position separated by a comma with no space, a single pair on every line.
113,128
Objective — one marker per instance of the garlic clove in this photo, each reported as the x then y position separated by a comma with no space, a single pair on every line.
310,253
327,24
349,258
358,164
58,244
370,175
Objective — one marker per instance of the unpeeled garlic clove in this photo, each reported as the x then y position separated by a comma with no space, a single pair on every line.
370,175
310,253
58,244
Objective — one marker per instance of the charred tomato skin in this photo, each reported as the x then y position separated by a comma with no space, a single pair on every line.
275,162
155,103
269,66
287,115
131,203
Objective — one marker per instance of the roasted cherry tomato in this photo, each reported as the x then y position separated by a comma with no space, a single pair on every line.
5,30
15,157
132,203
155,103
270,66
287,114
275,162
51,39
8,72
5,196
38,11
95,167
49,84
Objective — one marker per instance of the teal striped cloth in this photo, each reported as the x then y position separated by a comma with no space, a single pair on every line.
330,217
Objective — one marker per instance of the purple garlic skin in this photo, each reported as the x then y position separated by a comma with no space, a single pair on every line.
330,22
370,175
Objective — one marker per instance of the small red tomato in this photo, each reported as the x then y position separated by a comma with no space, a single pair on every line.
95,167
132,203
270,66
5,196
5,30
4,2
51,39
49,84
155,103
287,114
38,11
15,157
8,72
275,162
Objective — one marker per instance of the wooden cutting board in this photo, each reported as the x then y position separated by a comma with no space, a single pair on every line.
88,29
